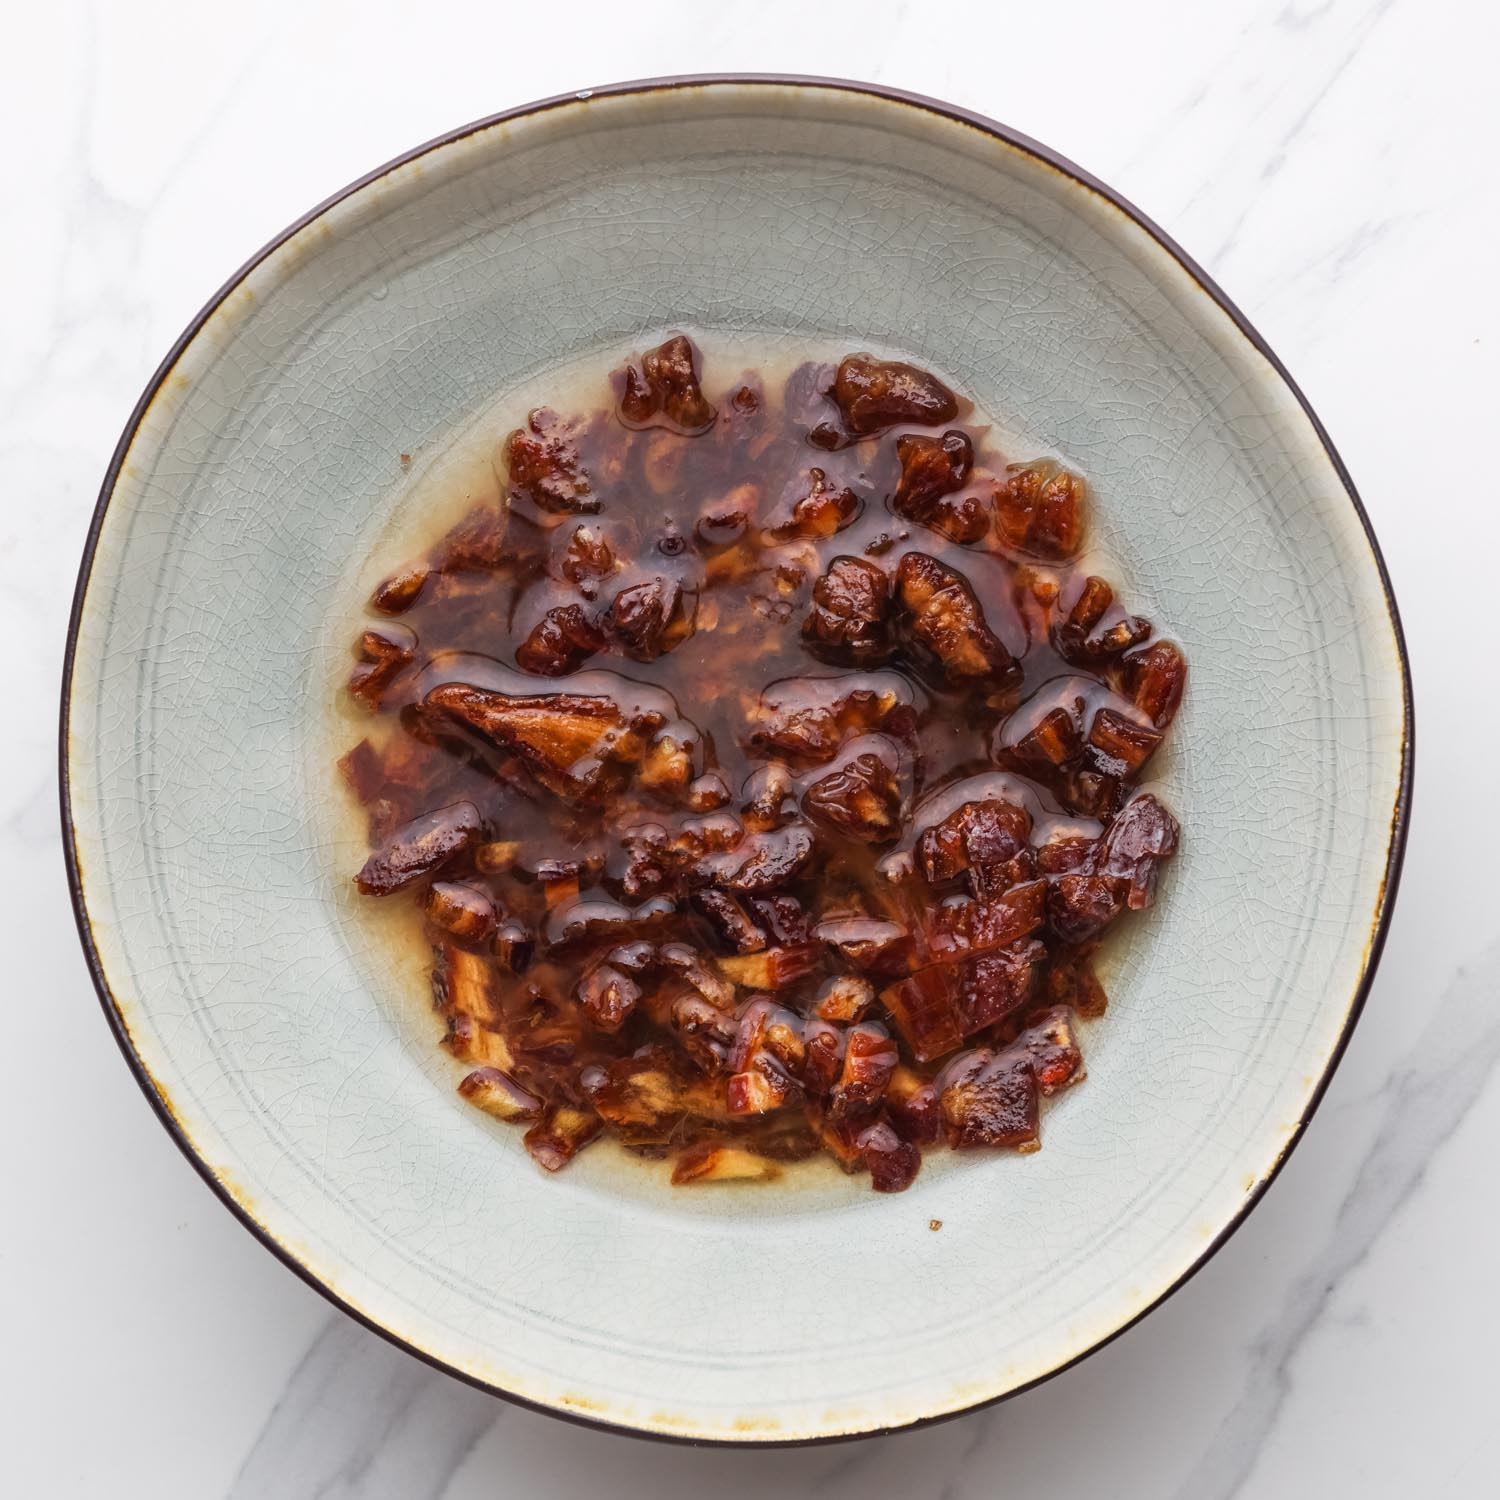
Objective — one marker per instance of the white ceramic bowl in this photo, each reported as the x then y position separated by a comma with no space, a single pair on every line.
296,1065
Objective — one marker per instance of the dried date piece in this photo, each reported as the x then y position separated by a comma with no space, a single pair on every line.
420,847
498,1094
649,619
1142,835
1053,1048
873,394
980,840
911,1100
762,861
545,465
844,998
944,619
713,1161
561,1133
861,799
1084,639
962,926
893,1162
384,653
811,508
806,719
1080,907
924,1007
730,920
771,968
396,594
991,1099
588,558
665,386
1119,746
870,945
932,469
463,911
647,1098
1155,679
996,985
1039,509
573,745
608,995
560,642
847,621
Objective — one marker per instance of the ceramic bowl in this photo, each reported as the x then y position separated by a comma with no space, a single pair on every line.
292,1057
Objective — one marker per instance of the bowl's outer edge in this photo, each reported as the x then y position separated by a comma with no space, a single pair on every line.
157,1095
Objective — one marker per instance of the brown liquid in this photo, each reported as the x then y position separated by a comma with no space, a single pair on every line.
640,857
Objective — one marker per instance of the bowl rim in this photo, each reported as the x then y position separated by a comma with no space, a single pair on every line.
1003,135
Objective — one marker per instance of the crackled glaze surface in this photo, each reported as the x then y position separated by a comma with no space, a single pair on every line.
212,864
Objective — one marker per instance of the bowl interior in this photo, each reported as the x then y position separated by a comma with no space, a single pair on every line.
293,1049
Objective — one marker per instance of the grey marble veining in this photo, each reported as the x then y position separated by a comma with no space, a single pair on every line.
1310,155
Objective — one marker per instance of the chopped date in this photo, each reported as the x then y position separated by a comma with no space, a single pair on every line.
646,1098
975,925
419,848
812,507
873,394
911,1101
498,1094
608,995
944,619
1053,1048
806,719
932,469
844,998
1142,835
771,968
822,864
396,594
1095,632
1155,679
383,653
783,917
561,641
764,861
466,912
997,984
991,1099
982,841
924,1007
1080,907
546,467
735,927
860,800
1039,509
893,1162
711,1161
560,1135
588,558
869,945
575,746
664,386
1119,746
649,619
848,618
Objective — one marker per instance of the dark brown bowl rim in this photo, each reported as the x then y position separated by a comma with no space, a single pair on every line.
1004,134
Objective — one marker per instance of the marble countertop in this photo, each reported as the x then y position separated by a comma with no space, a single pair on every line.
1325,159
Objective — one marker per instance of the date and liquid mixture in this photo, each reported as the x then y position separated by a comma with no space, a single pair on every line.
766,772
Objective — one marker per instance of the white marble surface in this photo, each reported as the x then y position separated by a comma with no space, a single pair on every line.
1332,165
